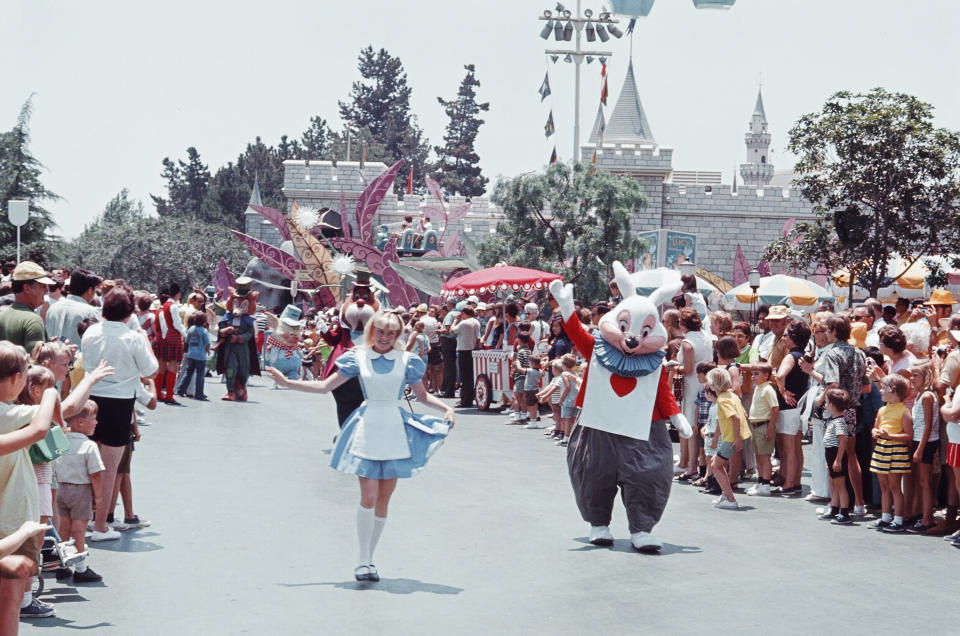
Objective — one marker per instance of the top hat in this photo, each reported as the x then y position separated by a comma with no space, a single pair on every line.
243,285
291,316
363,278
30,271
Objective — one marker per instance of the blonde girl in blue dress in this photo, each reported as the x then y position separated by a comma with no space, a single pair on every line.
380,441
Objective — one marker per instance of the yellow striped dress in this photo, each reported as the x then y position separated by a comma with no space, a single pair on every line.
891,456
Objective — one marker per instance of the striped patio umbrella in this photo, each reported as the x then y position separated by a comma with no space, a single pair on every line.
910,285
649,280
780,289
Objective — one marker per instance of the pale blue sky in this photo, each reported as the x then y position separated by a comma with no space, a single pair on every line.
120,85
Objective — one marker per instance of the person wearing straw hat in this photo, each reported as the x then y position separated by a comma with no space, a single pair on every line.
941,302
19,324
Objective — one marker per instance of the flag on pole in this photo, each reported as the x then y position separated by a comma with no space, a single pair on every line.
548,128
603,69
604,92
553,155
545,87
633,23
410,181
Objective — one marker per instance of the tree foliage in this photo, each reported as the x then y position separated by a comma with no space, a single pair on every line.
458,169
564,220
382,105
147,252
882,180
20,179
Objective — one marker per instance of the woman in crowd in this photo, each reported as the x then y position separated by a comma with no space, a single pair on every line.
695,348
793,383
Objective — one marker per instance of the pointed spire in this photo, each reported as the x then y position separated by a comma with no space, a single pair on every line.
599,128
758,109
628,123
255,194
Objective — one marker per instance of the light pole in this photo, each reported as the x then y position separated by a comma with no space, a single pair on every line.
565,26
754,282
18,212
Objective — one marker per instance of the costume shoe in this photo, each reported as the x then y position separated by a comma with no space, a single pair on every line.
645,542
601,535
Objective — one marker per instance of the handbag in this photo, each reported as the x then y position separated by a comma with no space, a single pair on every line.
50,447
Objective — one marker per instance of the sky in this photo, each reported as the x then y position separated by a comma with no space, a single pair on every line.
120,85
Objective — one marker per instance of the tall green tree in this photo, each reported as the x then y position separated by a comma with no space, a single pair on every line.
20,179
564,220
381,104
458,169
187,183
882,180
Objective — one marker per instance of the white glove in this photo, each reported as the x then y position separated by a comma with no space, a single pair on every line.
563,294
322,325
682,426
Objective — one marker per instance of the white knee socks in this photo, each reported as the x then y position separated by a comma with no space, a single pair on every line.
378,523
365,525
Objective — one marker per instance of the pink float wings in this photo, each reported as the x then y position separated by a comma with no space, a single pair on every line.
276,218
272,256
371,198
741,268
222,278
399,292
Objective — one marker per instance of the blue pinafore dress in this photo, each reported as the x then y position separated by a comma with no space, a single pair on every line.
381,439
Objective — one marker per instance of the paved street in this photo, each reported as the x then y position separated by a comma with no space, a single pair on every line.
253,533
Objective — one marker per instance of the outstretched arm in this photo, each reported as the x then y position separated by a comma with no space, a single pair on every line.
428,399
308,386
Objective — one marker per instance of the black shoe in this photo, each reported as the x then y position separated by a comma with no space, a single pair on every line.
171,402
879,524
182,393
712,490
841,520
64,573
894,528
827,516
87,576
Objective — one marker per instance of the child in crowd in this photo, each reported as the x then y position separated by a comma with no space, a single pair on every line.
418,342
198,348
734,428
707,482
764,411
708,432
553,392
568,397
834,438
892,433
521,361
78,475
20,426
926,444
531,384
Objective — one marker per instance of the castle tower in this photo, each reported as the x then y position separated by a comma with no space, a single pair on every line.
628,123
757,171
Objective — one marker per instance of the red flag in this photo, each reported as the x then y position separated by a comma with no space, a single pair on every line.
603,92
410,181
603,70
553,155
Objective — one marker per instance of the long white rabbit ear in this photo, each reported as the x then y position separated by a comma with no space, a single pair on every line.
663,295
624,283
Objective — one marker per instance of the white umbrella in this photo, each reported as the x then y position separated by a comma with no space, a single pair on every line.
780,289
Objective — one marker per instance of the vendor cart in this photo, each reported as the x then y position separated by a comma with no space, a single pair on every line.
491,373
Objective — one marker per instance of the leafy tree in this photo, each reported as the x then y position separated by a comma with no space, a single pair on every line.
882,180
383,106
457,160
20,179
147,252
564,220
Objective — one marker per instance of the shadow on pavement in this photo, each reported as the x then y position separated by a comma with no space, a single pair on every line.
624,545
129,542
392,586
65,623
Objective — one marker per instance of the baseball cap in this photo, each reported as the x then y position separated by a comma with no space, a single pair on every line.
30,271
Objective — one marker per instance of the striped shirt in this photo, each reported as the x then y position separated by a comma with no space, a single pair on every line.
920,420
832,429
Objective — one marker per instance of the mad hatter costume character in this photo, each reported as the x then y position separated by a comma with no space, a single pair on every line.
381,441
236,349
281,347
621,437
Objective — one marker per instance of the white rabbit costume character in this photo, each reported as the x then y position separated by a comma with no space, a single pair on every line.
621,438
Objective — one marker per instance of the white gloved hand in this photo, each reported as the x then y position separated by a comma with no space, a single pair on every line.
322,325
682,425
563,294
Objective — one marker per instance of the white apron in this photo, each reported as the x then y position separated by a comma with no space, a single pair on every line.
380,433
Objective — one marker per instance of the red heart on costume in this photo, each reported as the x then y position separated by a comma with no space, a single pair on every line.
621,385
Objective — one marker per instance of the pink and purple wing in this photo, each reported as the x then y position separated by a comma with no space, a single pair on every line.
434,189
371,198
274,257
741,268
452,246
276,218
458,212
223,279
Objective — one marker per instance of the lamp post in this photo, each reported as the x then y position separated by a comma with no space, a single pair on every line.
566,27
754,282
18,213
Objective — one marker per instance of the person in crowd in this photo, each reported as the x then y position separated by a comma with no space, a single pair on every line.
466,328
131,357
950,413
892,434
763,342
834,431
19,323
864,314
568,397
732,430
721,324
531,385
20,426
694,299
764,416
726,351
418,343
198,348
401,442
538,328
63,317
552,392
705,405
521,362
448,349
792,384
168,333
428,315
696,348
558,343
926,446
79,474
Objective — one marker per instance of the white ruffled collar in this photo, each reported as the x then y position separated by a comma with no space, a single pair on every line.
393,354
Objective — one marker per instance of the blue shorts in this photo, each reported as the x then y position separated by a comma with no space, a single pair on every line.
725,449
568,411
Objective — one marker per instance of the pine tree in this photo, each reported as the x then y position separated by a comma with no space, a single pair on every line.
20,179
383,106
457,160
187,184
315,140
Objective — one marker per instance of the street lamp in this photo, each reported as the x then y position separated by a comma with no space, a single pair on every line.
754,282
564,26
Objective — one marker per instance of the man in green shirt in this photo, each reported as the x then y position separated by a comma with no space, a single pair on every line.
19,323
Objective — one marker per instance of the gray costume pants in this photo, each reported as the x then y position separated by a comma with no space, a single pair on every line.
600,462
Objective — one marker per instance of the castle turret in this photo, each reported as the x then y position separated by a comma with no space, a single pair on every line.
757,171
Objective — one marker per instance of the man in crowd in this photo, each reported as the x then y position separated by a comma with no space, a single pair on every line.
864,314
19,323
64,315
448,348
467,329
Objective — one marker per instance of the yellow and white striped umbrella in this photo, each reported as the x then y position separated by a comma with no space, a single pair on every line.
910,285
780,289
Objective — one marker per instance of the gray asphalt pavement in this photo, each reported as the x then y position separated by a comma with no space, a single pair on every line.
254,534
